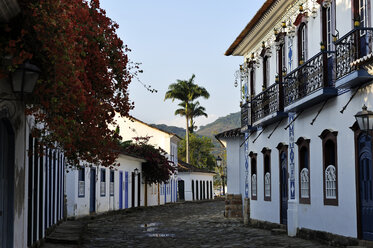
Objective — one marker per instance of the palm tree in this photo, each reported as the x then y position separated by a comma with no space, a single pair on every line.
195,110
186,92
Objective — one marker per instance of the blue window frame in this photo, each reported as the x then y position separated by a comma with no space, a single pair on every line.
81,182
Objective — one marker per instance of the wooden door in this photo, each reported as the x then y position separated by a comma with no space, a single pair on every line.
284,188
181,190
92,198
6,184
366,186
120,190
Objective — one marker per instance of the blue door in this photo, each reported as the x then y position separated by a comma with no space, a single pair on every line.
6,184
165,193
171,192
120,190
284,188
92,198
366,186
126,189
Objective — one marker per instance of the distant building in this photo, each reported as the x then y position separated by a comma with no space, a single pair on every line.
130,128
194,183
98,189
233,141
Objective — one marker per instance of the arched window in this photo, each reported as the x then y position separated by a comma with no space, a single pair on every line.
329,144
304,170
330,182
253,176
267,173
304,183
302,43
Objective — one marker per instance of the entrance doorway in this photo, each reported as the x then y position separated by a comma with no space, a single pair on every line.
92,198
181,186
284,188
6,183
365,174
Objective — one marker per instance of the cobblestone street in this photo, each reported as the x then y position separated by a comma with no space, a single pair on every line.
181,225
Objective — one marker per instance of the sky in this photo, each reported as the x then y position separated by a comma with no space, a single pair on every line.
173,39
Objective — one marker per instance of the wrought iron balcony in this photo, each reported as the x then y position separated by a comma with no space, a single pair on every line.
310,83
267,107
353,46
245,120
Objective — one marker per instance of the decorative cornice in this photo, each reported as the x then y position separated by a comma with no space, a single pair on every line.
270,16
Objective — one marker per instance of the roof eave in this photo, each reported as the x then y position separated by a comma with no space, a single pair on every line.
265,7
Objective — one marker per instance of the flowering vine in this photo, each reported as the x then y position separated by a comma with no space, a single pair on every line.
84,75
157,167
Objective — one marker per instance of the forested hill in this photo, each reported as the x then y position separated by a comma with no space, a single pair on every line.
171,129
221,124
225,123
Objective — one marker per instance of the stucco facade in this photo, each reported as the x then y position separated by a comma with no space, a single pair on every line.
102,189
303,156
131,128
194,183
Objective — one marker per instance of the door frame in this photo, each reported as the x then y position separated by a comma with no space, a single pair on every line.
120,189
283,148
355,128
126,189
92,191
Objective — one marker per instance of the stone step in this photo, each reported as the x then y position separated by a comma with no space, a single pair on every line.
278,231
68,232
366,243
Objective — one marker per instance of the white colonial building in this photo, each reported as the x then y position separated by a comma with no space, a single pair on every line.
233,141
305,75
98,189
194,183
131,128
31,176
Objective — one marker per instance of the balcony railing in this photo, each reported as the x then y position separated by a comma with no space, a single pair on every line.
245,115
266,103
354,45
306,79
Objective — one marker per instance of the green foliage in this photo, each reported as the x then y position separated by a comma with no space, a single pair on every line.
199,151
222,124
157,168
171,129
187,92
194,110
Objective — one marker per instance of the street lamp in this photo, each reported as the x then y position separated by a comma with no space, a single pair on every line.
218,161
219,164
136,171
364,119
24,78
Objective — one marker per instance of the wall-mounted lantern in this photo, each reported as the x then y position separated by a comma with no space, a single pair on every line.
364,119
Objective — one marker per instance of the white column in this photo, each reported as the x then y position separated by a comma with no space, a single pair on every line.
292,201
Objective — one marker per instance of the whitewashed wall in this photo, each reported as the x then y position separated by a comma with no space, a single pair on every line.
80,206
341,219
188,177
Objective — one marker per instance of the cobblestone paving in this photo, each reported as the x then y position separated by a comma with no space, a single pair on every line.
181,225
